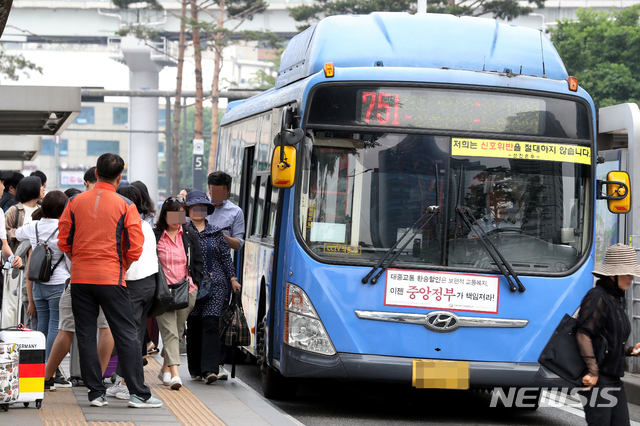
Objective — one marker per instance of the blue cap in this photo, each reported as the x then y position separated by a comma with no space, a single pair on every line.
199,197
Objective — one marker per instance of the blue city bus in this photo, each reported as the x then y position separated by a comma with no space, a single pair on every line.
419,194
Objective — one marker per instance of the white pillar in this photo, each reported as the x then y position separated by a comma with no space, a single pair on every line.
143,114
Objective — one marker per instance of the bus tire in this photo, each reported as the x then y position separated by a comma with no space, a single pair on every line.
274,384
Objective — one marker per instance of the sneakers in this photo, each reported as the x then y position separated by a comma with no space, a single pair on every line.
116,389
59,379
175,383
61,382
222,374
210,377
123,394
165,378
100,401
136,402
196,378
49,385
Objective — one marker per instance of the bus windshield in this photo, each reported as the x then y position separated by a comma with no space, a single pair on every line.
359,193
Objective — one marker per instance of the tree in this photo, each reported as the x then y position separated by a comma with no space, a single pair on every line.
12,66
263,80
500,9
175,130
602,49
217,37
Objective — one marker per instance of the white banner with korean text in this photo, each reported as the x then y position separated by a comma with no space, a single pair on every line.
442,290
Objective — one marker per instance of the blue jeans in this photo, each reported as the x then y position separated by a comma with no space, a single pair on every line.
47,298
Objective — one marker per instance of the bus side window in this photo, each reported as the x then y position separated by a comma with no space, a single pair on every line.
258,211
271,208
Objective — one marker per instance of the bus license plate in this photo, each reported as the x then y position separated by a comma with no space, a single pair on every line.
432,374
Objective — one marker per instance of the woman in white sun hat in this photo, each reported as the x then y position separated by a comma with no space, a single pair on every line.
602,332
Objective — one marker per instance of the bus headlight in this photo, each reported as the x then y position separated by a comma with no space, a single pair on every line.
302,326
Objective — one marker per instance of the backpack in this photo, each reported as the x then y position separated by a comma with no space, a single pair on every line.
40,269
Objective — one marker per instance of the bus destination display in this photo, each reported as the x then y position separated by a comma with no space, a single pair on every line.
450,109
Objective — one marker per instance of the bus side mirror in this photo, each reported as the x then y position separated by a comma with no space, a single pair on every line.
283,166
618,194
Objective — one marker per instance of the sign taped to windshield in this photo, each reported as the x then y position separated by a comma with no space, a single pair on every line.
521,150
442,290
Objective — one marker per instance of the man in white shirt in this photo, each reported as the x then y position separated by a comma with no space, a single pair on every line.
227,216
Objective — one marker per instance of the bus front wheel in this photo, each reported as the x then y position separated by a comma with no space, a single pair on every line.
274,384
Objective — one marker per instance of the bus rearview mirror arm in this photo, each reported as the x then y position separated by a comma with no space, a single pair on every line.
623,190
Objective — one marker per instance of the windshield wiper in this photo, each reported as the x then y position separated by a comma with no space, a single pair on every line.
431,211
502,264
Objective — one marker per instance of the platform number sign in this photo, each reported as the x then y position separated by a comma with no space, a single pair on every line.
198,164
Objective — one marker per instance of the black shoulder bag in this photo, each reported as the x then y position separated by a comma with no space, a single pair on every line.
562,354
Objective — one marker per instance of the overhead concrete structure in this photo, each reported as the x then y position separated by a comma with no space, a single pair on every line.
31,110
19,148
144,64
80,21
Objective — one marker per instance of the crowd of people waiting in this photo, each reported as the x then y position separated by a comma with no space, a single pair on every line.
108,244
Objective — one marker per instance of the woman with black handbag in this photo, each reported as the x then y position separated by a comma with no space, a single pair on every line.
181,260
602,318
203,335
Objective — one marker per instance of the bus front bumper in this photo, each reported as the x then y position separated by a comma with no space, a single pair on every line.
298,363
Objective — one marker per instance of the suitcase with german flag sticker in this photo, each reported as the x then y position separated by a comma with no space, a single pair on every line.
31,347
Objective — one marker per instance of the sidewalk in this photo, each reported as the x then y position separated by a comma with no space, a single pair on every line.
632,388
229,402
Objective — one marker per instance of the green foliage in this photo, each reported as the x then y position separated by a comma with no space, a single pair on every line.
13,66
124,4
139,31
602,49
264,80
186,164
502,9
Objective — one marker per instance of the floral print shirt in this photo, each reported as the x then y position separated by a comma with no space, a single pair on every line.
218,267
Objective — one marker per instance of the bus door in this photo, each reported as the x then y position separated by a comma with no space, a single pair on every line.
245,195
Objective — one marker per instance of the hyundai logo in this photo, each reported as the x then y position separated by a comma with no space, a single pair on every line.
442,322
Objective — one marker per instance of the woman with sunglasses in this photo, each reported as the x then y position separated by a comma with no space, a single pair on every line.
203,335
180,258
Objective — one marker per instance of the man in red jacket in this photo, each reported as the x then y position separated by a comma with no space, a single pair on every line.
100,231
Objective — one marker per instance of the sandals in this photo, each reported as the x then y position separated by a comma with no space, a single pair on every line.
151,349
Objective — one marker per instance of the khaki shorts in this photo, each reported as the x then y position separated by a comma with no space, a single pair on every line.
67,322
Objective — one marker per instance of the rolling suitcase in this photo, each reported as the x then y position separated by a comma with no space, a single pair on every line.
9,384
31,345
75,375
11,308
110,372
11,313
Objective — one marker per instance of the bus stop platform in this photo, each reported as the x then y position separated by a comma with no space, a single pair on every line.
228,402
632,387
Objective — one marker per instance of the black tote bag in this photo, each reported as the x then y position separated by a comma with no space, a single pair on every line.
562,354
163,297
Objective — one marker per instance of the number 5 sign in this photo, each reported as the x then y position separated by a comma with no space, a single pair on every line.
198,162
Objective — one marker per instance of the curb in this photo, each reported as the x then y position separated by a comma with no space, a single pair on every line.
632,388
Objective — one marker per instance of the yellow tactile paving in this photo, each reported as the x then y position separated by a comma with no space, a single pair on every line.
63,404
183,404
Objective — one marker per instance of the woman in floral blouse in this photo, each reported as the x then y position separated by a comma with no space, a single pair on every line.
203,336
